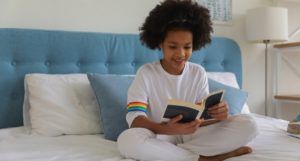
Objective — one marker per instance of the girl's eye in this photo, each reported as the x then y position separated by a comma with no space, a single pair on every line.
187,47
172,47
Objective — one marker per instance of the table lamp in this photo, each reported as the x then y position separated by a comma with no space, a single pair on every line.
267,25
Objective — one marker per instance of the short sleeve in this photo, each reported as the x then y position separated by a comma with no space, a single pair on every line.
203,86
137,98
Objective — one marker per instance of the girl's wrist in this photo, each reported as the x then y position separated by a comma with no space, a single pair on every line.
160,128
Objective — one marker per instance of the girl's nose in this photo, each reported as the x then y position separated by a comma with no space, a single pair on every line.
181,53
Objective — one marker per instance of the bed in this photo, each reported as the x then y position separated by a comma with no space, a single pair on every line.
26,51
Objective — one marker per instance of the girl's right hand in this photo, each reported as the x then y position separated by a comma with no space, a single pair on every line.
173,127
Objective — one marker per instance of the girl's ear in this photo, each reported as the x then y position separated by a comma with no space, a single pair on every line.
160,46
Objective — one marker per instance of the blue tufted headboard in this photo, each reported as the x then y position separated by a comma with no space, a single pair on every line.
25,51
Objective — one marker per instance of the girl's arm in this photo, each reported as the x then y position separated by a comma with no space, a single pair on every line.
171,127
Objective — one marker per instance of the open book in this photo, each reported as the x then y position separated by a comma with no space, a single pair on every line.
191,111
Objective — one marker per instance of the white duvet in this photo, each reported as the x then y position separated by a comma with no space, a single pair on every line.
272,144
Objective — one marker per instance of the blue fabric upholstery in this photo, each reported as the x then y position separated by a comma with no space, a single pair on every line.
111,94
235,98
25,51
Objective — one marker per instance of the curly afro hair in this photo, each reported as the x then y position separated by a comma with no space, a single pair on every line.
177,15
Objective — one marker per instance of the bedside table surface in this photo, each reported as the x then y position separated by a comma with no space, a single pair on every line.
295,97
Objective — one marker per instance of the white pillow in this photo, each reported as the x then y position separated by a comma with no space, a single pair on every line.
229,79
60,104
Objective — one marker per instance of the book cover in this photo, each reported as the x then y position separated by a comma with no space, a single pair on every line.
191,111
211,100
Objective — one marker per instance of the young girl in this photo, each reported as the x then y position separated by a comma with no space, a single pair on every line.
177,27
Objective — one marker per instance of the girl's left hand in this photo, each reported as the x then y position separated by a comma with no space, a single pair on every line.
219,111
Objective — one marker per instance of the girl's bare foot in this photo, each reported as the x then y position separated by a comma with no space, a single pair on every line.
240,151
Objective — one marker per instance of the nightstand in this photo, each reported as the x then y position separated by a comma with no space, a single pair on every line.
287,80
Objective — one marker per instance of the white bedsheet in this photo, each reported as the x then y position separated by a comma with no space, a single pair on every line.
15,145
272,144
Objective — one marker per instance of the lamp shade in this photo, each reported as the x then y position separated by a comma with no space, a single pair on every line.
267,23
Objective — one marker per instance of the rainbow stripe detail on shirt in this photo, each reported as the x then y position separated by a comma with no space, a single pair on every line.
137,106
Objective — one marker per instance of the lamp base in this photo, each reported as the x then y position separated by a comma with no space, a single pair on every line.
266,42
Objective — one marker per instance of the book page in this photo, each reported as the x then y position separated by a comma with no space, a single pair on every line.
188,110
185,104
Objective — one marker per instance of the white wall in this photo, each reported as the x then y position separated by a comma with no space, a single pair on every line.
293,13
120,16
252,54
116,16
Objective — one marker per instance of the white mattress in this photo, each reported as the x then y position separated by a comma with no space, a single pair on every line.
16,145
272,143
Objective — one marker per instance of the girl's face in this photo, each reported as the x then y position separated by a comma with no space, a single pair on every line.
177,49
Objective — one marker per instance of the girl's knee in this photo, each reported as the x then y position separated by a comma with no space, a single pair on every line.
248,124
132,140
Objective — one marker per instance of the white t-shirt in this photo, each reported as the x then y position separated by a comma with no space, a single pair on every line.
153,87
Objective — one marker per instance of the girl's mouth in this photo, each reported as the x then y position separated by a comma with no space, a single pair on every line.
179,61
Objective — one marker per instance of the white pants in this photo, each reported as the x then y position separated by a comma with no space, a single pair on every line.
219,138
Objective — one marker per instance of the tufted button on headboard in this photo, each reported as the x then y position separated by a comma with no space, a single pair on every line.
25,51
